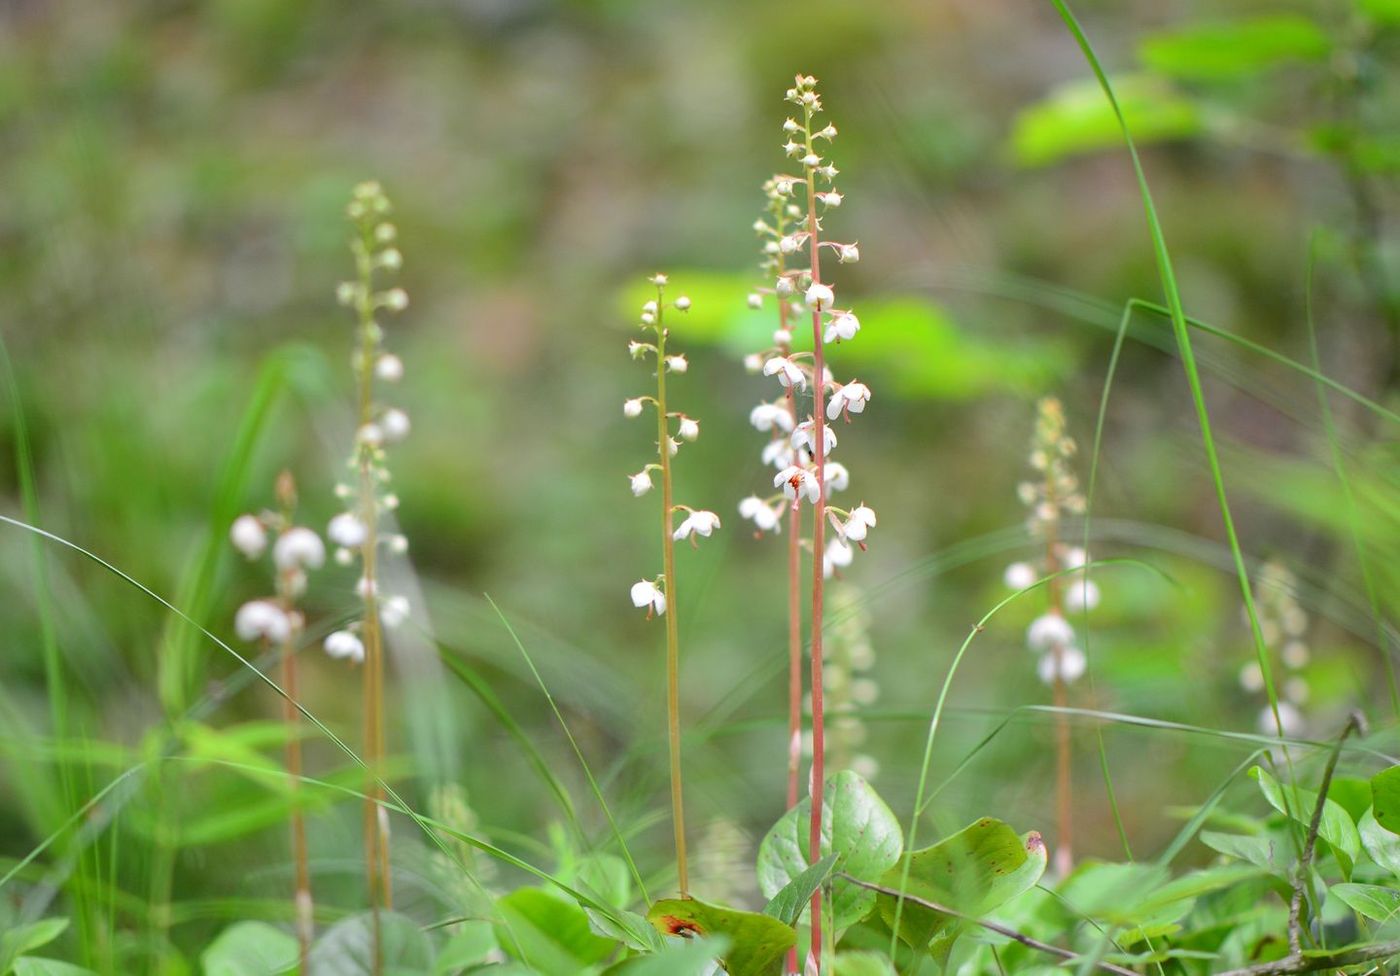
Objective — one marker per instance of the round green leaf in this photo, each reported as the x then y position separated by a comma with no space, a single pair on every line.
757,943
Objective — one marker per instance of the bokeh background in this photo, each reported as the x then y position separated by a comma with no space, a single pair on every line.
171,233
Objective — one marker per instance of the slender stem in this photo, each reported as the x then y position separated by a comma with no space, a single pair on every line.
1300,880
668,562
305,924
1064,807
794,605
818,549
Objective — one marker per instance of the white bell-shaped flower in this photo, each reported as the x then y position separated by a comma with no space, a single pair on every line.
645,593
1288,715
820,296
1081,594
262,619
688,428
838,555
701,523
1071,666
838,477
843,326
343,645
1047,631
394,610
797,482
298,548
764,516
804,438
248,536
1073,557
1018,576
778,453
859,523
346,530
789,373
632,407
641,483
677,364
388,368
766,416
395,425
852,397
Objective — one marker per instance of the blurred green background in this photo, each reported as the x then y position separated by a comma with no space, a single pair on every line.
171,234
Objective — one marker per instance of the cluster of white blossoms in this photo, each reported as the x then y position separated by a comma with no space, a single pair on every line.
295,550
1283,624
1053,496
367,495
789,230
672,429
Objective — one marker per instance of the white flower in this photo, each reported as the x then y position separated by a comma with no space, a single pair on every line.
843,326
804,438
1251,678
688,428
677,364
395,425
646,594
1048,631
1071,666
837,477
683,303
632,407
343,644
641,483
1295,654
1073,558
394,610
389,368
755,300
820,296
753,362
796,483
765,518
248,536
366,587
344,557
788,373
782,337
783,286
397,543
852,397
790,243
370,435
838,554
1018,576
347,530
830,198
395,299
1288,715
262,619
811,160
298,548
697,523
848,254
766,416
1081,594
859,522
778,453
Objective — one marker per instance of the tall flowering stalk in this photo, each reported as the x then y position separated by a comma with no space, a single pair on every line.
1284,624
277,623
658,595
367,498
1050,498
805,473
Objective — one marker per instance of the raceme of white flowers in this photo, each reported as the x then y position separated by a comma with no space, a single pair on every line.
1052,496
295,550
785,232
672,429
366,494
1284,625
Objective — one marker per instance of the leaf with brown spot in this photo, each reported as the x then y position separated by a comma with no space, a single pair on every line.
756,943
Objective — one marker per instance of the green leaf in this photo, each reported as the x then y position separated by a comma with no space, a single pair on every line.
347,947
39,966
1336,827
787,905
1381,844
469,946
27,938
550,933
1262,852
1234,49
1385,798
864,963
1374,901
679,957
857,827
757,943
1381,11
250,949
631,929
1075,118
973,872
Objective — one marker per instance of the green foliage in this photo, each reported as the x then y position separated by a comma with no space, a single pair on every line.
676,958
1376,902
1074,119
26,938
346,947
250,949
756,943
1336,826
1385,798
864,963
1232,49
789,903
550,933
470,945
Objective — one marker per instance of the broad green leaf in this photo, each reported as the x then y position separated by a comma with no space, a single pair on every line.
864,963
634,931
27,938
679,957
1385,798
973,872
1353,793
1381,844
470,945
347,947
757,943
1214,51
1191,886
857,827
1265,852
39,966
549,933
1112,892
1374,901
250,949
1381,11
1336,827
787,905
1075,118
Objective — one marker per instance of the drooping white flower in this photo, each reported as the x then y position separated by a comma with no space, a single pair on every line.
830,198
341,644
820,296
1071,666
641,483
366,588
755,300
838,478
1047,631
764,517
1018,576
259,619
804,438
788,373
632,407
1288,714
783,286
395,425
298,548
1073,557
778,453
394,610
645,593
696,523
848,254
248,536
688,428
1081,594
852,397
370,435
766,416
844,326
347,530
388,368
677,364
859,522
797,482
838,555
683,303
1251,677
753,362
